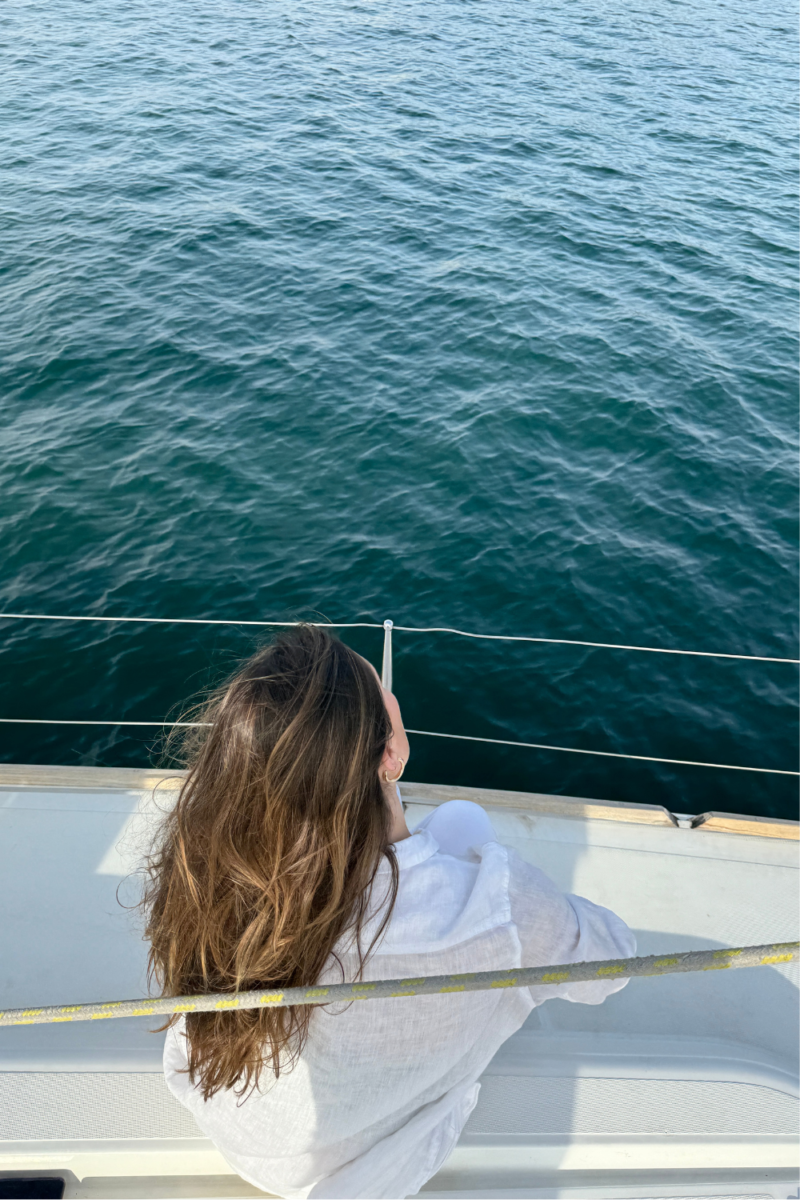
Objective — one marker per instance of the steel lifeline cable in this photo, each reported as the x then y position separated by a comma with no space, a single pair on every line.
491,637
386,678
771,954
461,737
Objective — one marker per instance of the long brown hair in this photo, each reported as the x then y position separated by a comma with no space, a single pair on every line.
270,854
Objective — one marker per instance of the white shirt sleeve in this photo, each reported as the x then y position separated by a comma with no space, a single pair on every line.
556,928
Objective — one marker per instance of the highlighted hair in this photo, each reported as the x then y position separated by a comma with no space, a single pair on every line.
270,854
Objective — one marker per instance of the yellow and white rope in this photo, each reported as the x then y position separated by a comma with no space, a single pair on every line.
770,954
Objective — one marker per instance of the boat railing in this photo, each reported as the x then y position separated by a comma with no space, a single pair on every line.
389,628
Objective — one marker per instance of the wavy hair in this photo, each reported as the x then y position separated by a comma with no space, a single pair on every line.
270,854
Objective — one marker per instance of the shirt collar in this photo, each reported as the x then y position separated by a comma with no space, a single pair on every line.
415,849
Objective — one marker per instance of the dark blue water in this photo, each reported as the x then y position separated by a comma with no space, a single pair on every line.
476,312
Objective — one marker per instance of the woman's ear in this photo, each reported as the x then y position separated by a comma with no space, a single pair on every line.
391,764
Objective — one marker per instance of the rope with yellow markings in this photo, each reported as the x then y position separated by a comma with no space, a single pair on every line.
431,985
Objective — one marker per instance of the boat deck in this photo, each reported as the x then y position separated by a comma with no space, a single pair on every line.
680,1085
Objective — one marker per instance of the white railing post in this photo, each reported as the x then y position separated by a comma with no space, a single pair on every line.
386,669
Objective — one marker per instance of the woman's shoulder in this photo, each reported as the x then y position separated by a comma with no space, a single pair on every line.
444,899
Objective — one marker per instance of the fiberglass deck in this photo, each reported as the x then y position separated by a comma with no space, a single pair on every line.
680,1085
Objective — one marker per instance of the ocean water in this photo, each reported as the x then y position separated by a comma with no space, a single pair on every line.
473,312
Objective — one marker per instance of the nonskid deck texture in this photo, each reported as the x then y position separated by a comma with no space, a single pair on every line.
684,1085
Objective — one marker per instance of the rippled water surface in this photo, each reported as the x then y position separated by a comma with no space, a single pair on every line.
472,312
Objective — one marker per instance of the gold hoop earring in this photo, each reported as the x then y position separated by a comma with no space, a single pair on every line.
402,768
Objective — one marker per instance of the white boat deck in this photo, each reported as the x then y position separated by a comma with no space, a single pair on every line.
684,1085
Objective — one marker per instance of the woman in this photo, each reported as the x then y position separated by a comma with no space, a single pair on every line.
287,861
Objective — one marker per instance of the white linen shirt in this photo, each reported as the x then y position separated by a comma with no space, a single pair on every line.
383,1088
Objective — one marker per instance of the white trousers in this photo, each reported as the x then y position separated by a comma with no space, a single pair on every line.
457,826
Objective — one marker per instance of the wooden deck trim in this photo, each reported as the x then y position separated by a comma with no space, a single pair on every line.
538,802
144,779
105,779
771,827
138,779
